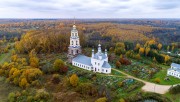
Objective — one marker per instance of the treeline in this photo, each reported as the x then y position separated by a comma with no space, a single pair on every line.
150,49
45,41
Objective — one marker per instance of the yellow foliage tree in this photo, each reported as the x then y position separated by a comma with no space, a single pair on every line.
137,46
147,50
159,46
103,99
34,62
122,100
74,80
23,83
141,50
166,58
58,64
138,56
14,58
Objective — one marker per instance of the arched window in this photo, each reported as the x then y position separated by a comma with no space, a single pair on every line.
77,51
72,42
76,42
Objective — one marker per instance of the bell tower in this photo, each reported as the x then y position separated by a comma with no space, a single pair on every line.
74,47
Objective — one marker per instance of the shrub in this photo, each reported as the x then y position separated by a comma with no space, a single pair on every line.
118,64
11,97
74,80
122,100
103,99
59,66
157,80
23,83
56,78
41,95
175,89
34,62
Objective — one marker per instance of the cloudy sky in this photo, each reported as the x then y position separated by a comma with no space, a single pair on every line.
90,8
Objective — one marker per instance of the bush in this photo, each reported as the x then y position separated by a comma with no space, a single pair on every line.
56,78
74,80
118,64
11,97
175,89
87,89
103,99
59,66
157,80
41,95
122,100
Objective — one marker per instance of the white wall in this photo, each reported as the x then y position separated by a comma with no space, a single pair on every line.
173,73
83,66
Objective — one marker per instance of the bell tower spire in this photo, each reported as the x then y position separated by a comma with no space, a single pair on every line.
74,20
74,47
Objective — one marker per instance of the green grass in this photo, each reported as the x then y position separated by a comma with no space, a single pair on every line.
162,75
114,72
173,97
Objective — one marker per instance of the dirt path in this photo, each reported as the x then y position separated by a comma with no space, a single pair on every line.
150,87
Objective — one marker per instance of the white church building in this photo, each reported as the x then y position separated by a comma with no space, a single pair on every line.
98,62
174,70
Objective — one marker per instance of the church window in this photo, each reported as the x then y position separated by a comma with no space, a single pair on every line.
72,42
95,63
76,42
98,64
106,70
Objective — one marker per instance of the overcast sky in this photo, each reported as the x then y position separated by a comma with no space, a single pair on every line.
90,8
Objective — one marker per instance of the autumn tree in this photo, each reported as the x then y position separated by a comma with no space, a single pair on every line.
141,50
74,80
34,62
118,64
14,58
103,99
23,83
137,46
157,80
122,100
120,48
147,50
159,46
138,56
166,58
59,65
